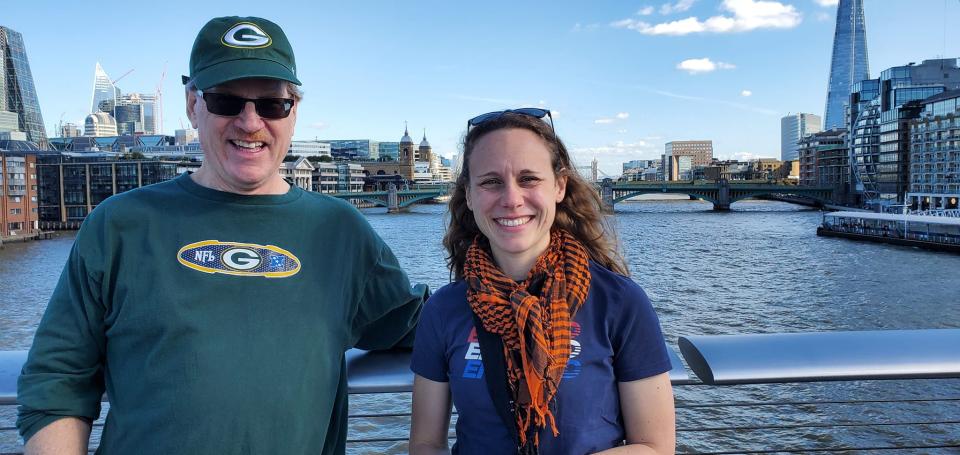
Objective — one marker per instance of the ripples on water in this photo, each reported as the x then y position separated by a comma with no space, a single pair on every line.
759,269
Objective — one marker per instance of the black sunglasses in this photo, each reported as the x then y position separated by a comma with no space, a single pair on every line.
230,105
528,111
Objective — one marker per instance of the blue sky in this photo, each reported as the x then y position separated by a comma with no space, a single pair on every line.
624,77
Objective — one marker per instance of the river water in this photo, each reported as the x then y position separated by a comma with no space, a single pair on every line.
757,269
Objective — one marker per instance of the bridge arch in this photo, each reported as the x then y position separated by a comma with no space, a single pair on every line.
628,195
373,200
736,196
414,200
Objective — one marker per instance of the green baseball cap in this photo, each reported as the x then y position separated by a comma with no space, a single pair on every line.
230,48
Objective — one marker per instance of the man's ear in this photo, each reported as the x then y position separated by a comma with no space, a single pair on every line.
192,107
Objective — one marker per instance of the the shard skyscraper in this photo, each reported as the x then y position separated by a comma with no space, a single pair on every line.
849,63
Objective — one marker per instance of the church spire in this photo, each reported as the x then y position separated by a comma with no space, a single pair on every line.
406,139
424,142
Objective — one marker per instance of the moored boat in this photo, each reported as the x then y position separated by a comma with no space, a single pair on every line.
940,233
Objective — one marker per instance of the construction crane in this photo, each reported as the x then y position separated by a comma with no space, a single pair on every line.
114,82
159,93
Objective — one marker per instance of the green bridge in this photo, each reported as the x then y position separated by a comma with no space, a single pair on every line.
394,199
720,192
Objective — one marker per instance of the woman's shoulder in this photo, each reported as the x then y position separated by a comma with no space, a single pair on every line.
613,284
448,297
617,296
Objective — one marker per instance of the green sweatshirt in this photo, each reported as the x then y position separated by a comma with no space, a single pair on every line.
216,323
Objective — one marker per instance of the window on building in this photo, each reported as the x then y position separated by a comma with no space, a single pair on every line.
16,211
15,226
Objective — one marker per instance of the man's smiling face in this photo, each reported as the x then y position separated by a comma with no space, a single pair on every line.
242,153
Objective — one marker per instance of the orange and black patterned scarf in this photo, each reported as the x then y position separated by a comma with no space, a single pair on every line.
532,320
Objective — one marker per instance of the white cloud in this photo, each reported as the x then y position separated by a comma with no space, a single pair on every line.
318,125
703,65
700,99
645,11
678,7
578,27
746,93
622,131
608,120
743,156
827,2
746,15
823,17
610,157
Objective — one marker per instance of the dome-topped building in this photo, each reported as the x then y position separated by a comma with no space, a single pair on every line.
407,152
425,152
100,124
410,158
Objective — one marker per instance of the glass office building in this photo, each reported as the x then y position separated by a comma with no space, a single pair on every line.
793,128
935,154
354,149
849,62
390,151
881,111
19,95
103,92
71,186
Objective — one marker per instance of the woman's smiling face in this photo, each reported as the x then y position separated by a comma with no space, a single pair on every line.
513,194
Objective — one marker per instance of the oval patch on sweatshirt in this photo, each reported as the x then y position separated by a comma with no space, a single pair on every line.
241,259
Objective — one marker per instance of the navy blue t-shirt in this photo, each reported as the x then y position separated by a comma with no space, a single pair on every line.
616,338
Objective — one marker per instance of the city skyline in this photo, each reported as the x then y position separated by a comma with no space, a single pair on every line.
623,79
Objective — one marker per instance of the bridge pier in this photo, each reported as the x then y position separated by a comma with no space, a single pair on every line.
393,200
606,194
723,196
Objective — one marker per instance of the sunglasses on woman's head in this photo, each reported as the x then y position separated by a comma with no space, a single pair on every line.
230,105
528,111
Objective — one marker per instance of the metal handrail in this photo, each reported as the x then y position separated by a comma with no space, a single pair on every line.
731,359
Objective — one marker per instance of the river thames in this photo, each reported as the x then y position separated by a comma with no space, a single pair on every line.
758,269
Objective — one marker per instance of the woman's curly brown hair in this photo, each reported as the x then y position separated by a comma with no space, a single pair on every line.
580,212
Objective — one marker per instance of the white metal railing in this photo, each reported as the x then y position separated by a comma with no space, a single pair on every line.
713,415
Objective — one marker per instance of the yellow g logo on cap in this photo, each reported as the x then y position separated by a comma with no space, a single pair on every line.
246,35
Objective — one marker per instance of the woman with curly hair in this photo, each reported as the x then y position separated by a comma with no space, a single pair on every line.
573,360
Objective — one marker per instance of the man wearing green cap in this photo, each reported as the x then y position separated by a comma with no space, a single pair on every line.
214,309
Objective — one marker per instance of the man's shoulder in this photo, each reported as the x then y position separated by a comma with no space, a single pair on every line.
136,202
329,207
323,201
